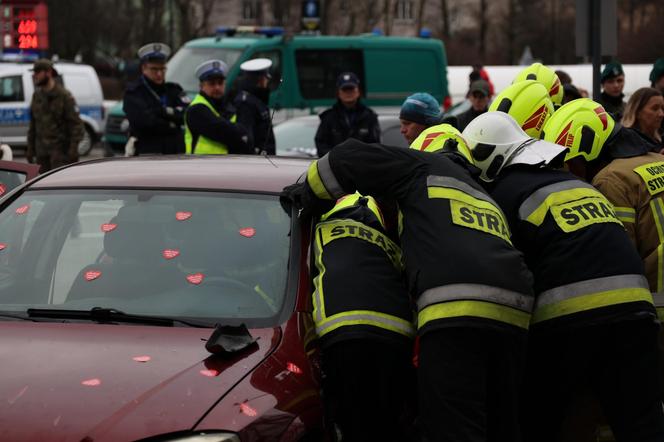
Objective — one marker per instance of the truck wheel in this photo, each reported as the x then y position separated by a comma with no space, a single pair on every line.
85,146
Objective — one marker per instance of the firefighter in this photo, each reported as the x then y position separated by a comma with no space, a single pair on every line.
545,76
210,119
473,291
528,102
594,324
364,321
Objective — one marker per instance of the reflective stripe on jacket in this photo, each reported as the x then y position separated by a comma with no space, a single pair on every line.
359,282
204,145
575,244
458,255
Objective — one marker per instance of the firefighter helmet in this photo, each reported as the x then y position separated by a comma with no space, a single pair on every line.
443,137
354,201
528,103
547,77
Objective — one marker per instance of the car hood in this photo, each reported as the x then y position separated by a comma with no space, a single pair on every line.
112,382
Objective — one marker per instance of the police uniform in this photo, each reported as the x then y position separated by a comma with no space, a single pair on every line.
363,319
155,112
473,290
210,127
252,103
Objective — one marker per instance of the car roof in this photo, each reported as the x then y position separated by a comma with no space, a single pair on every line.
12,67
221,172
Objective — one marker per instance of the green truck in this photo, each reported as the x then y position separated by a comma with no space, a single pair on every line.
305,68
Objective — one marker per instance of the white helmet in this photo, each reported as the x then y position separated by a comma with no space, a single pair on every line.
496,141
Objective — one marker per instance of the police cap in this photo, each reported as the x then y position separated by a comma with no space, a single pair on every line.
347,79
211,69
257,66
612,69
158,52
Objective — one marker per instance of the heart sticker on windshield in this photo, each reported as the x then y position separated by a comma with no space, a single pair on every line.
3,246
248,232
23,210
170,253
3,189
209,373
181,216
107,227
92,275
91,382
141,358
196,278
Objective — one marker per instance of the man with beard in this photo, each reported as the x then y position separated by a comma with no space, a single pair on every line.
252,102
154,107
210,120
55,127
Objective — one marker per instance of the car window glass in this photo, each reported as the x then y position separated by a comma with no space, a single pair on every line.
318,69
9,180
193,254
295,133
11,89
391,135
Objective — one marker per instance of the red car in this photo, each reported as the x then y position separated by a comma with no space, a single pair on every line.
125,286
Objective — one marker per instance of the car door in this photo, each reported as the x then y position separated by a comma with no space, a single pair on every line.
13,174
14,109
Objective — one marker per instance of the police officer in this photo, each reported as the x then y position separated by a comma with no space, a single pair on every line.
154,107
252,103
473,290
210,119
594,320
55,127
418,112
348,118
612,80
362,314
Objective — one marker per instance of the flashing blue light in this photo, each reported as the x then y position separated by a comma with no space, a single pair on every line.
257,30
377,31
425,33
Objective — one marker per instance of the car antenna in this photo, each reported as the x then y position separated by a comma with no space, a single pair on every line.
268,158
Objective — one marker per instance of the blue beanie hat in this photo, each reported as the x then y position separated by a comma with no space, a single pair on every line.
421,108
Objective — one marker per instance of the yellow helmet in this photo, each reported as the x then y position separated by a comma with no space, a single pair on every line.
547,77
442,137
583,126
528,103
356,200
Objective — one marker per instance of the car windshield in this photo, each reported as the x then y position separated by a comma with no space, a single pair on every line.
183,64
166,253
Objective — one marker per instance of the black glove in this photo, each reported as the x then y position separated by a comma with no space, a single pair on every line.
302,198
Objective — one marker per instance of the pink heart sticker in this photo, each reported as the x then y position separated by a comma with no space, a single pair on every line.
247,232
3,189
181,216
209,373
196,278
108,227
141,358
23,210
3,246
246,409
170,253
91,382
92,275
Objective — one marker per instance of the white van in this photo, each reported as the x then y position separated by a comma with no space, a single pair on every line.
16,88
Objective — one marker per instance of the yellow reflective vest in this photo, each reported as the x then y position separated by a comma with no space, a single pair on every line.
204,145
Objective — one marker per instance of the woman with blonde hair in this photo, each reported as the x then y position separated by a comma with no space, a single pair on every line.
644,112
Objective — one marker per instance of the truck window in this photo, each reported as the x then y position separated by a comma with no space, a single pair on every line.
182,67
11,89
318,69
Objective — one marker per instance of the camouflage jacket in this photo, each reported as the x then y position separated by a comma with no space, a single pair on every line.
54,122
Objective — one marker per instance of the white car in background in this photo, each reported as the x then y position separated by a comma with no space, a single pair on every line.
16,89
295,137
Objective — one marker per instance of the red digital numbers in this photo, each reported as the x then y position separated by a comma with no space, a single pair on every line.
27,41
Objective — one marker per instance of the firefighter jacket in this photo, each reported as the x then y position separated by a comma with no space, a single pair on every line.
359,289
585,268
210,128
155,114
459,259
635,186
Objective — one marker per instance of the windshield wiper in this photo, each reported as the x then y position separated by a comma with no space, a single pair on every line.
110,315
9,315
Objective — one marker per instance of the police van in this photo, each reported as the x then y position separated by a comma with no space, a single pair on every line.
305,68
16,89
